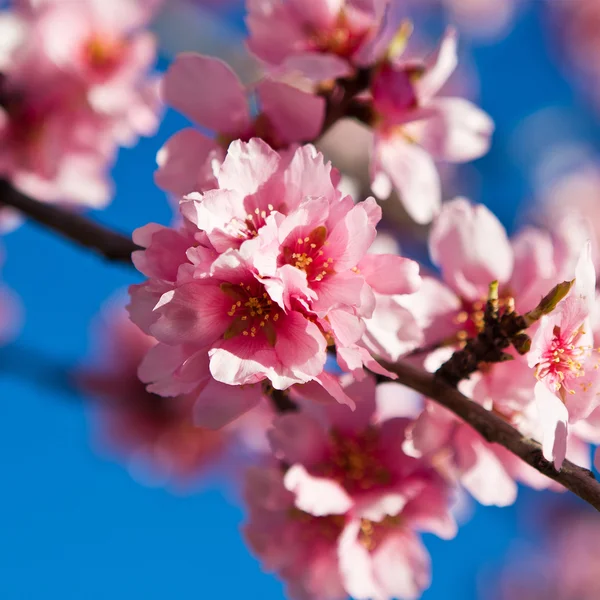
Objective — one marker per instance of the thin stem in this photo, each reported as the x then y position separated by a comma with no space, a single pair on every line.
75,227
578,480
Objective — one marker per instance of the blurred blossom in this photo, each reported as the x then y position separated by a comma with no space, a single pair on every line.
74,87
345,517
562,566
155,436
575,25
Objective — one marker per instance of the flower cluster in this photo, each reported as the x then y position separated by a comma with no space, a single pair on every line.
343,519
74,87
266,271
308,48
271,285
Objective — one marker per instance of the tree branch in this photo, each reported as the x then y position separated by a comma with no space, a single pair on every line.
493,428
75,227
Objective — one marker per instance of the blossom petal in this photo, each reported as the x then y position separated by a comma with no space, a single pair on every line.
208,92
185,163
412,172
390,274
296,115
318,496
554,418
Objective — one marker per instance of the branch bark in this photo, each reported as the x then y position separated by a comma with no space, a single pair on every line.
110,244
493,428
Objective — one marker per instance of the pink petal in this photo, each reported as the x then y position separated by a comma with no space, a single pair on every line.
471,248
453,129
412,172
184,163
173,371
317,66
482,473
248,166
554,418
352,237
218,404
242,360
440,66
320,14
317,496
300,346
390,274
296,115
297,438
208,92
195,312
356,565
402,566
585,278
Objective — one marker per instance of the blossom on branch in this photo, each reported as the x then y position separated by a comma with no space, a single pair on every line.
344,518
413,128
267,271
210,94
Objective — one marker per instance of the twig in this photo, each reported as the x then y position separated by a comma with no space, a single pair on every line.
75,227
578,480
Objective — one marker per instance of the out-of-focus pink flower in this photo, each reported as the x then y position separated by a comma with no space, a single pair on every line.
562,566
265,272
154,434
359,499
414,128
320,40
210,94
74,87
565,361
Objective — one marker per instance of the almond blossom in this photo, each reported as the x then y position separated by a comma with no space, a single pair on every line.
74,88
349,505
267,270
320,40
565,361
156,436
188,160
413,128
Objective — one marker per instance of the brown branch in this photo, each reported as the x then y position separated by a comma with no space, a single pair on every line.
493,428
75,227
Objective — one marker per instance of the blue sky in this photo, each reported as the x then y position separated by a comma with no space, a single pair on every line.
73,523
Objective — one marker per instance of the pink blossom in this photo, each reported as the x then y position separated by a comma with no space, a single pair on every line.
189,158
153,433
60,125
561,566
349,506
149,431
414,128
266,271
565,362
320,40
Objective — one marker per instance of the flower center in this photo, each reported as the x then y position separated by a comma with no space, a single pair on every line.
309,254
252,311
103,54
341,39
562,360
372,533
354,462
